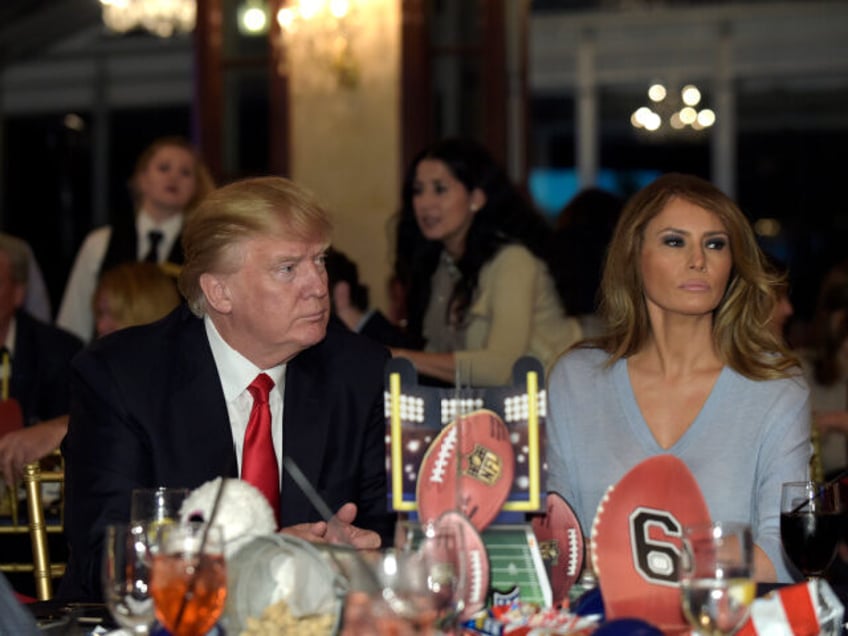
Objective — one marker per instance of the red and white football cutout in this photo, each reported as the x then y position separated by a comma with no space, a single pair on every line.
636,540
475,569
561,544
468,467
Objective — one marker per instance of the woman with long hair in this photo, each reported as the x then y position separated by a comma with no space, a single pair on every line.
688,366
472,253
169,180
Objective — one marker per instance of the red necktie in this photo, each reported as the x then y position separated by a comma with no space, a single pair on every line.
259,461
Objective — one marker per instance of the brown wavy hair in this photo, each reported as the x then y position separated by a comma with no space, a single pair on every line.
741,331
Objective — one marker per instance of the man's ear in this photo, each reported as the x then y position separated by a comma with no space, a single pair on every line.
340,295
216,292
19,295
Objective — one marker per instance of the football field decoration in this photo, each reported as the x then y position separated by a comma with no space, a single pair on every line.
478,450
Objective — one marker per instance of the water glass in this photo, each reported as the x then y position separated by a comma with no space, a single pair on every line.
716,581
126,576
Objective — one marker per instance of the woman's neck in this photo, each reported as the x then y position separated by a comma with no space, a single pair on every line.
679,346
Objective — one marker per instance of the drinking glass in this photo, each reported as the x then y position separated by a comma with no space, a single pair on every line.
716,583
810,518
156,505
189,582
126,576
443,550
423,577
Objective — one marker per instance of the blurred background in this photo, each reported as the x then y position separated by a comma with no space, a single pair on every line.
341,94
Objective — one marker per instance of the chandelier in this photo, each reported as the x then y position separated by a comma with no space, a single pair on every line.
161,17
323,32
670,109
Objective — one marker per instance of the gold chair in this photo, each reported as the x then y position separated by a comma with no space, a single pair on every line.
37,525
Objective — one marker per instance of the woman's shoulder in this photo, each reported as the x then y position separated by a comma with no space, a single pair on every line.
792,387
582,361
514,252
99,236
513,257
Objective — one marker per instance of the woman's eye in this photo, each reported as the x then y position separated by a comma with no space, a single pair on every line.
673,241
440,188
716,244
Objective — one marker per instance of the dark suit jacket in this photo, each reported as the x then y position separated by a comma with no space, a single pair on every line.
147,409
377,327
41,368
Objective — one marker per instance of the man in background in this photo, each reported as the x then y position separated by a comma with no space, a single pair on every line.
35,367
350,303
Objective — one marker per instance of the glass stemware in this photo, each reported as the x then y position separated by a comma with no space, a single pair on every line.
126,576
156,506
189,582
716,576
810,518
442,549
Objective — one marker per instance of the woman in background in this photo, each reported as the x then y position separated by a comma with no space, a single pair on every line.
471,251
133,294
826,369
688,366
169,180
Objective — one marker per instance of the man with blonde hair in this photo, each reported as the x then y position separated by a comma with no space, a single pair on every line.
248,375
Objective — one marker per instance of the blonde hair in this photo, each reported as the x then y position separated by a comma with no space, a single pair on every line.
740,321
269,206
138,293
203,182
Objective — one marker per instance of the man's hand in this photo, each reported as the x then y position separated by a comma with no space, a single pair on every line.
19,448
340,530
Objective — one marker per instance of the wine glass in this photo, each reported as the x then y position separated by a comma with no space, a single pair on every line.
423,577
126,576
189,581
716,576
443,550
810,518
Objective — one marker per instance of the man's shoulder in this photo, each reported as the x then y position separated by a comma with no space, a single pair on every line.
158,338
347,349
42,333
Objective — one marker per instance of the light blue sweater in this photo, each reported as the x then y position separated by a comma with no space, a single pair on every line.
749,438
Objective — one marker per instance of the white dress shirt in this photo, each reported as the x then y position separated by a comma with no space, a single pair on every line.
75,313
236,373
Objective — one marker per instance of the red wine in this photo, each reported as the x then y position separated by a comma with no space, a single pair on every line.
809,540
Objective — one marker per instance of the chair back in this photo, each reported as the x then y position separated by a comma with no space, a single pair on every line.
40,523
